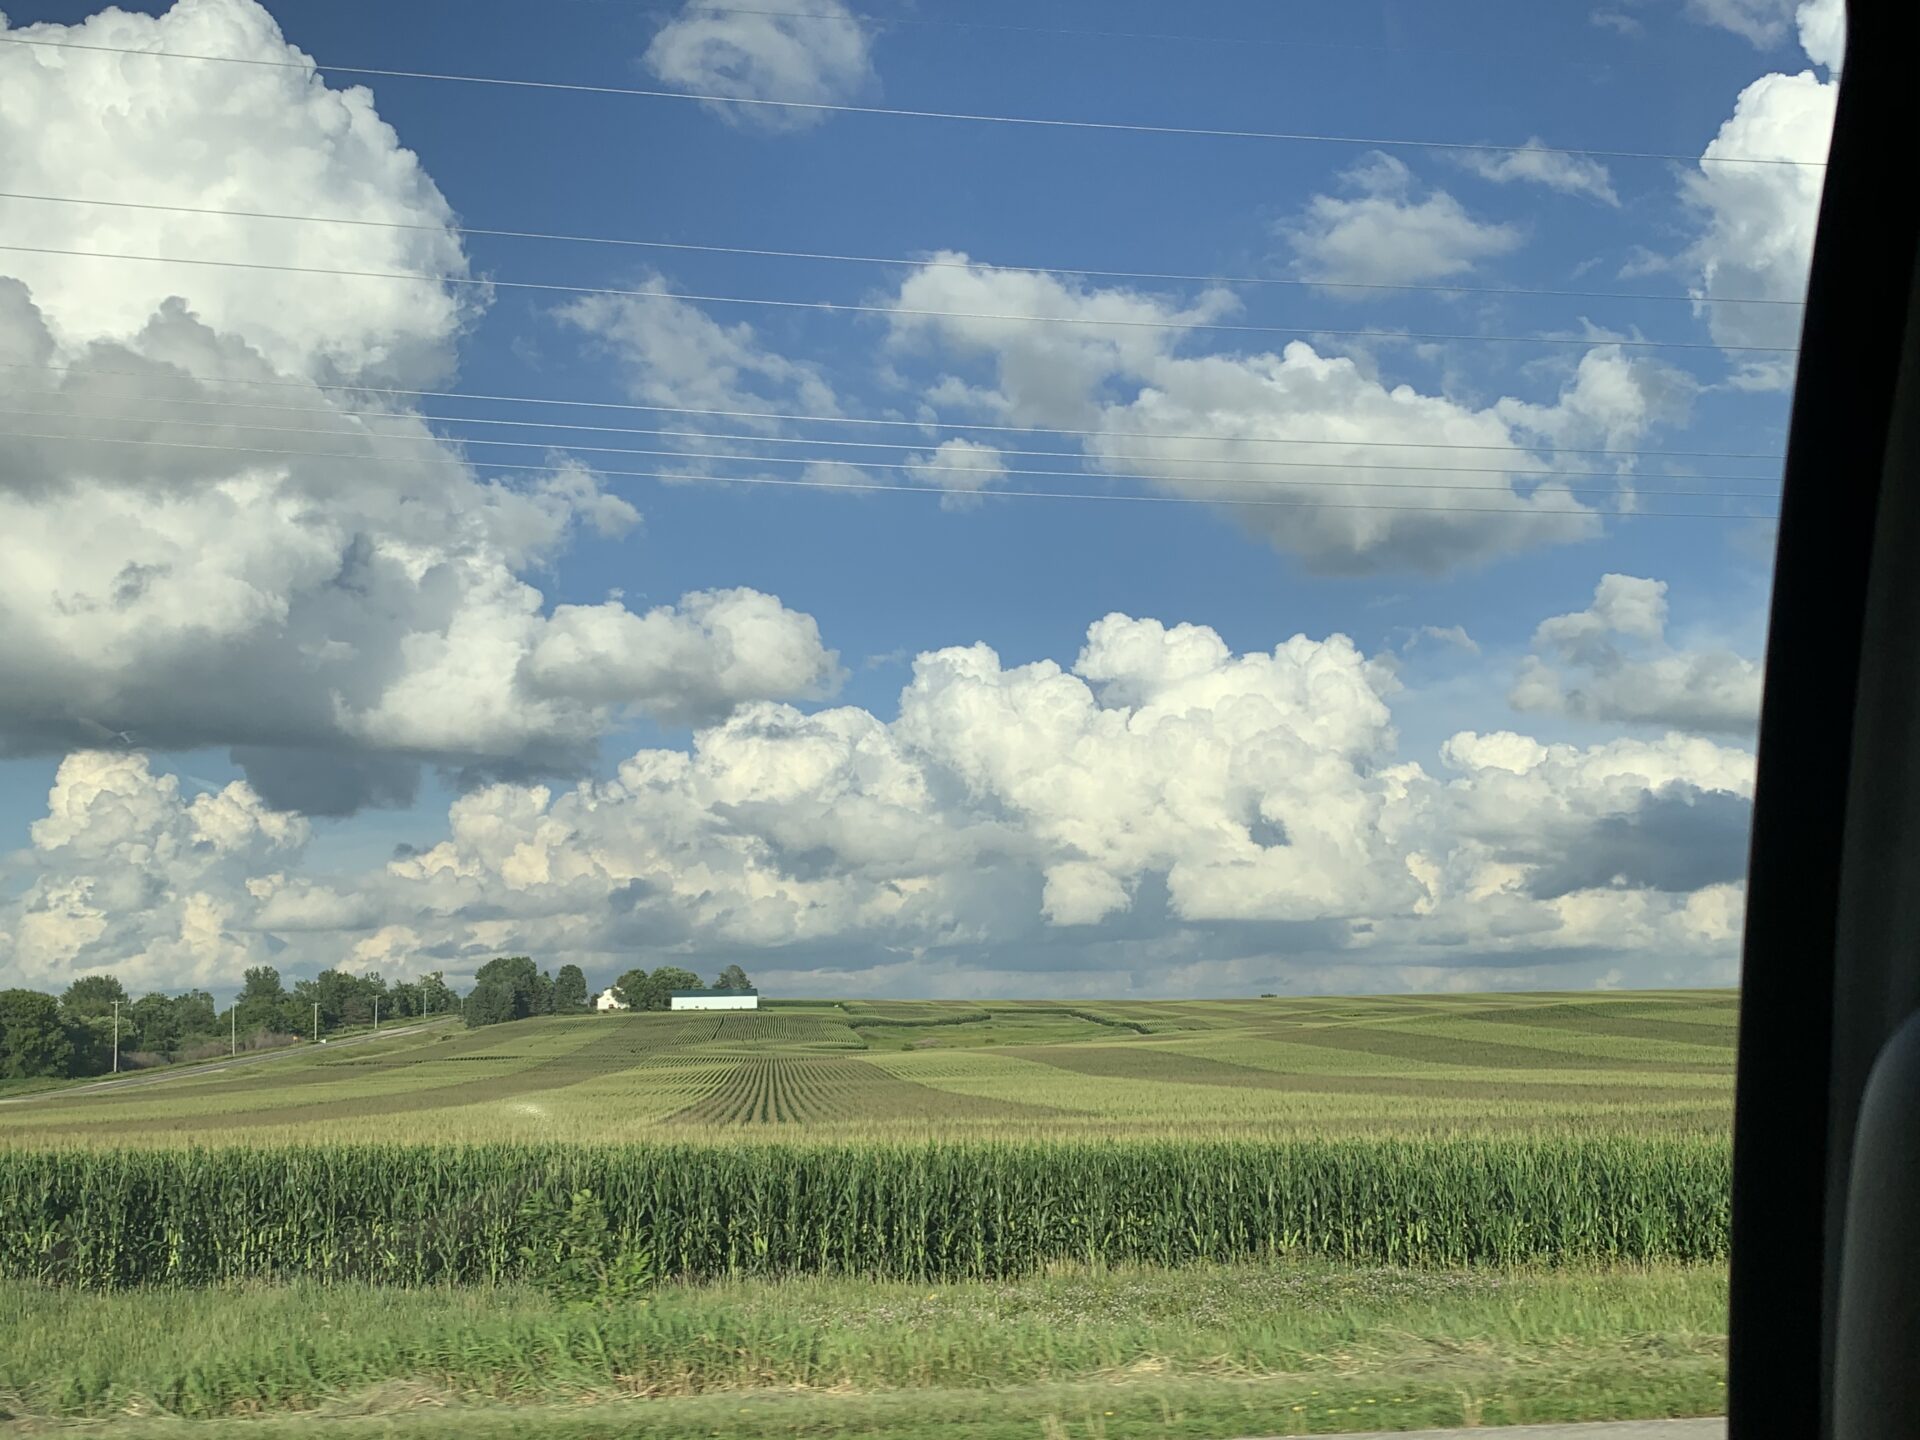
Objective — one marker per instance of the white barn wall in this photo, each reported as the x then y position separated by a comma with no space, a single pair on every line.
715,1002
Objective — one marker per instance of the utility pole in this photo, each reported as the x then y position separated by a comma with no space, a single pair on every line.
116,1037
233,1029
376,1014
316,1022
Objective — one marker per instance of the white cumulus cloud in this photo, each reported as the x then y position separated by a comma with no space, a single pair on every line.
1764,22
1533,163
157,131
1756,222
133,877
1612,662
1161,813
818,52
1387,233
1330,422
339,600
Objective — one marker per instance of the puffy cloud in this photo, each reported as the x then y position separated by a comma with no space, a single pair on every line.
1129,384
962,468
817,53
1163,787
1612,662
1757,221
336,624
674,353
693,662
1165,813
174,576
1764,22
123,127
129,876
1533,163
1384,235
1613,399
1823,32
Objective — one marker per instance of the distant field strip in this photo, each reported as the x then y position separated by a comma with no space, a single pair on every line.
791,1091
1174,1067
1441,1049
777,1028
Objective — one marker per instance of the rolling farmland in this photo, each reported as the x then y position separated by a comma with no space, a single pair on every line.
1425,1067
1409,1162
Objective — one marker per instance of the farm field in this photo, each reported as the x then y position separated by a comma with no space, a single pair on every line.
1491,1065
892,1219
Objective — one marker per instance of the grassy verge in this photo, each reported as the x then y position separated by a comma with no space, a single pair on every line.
1200,1352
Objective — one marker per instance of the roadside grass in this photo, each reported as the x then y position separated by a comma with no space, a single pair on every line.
1199,1351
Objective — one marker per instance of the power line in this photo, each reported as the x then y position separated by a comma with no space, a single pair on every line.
1523,510
771,254
975,427
881,22
1204,132
893,444
916,467
854,308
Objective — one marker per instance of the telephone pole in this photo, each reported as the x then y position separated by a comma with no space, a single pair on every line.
376,1014
316,1022
116,1037
233,1029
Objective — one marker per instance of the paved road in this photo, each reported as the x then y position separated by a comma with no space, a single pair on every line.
212,1067
1713,1429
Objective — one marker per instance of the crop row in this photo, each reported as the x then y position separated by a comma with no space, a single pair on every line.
422,1215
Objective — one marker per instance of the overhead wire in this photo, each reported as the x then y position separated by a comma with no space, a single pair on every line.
1430,287
918,467
1521,510
973,427
897,112
888,22
765,439
830,307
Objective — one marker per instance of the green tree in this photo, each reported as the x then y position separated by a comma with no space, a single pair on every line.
265,1005
491,1003
436,996
194,1015
663,982
540,998
90,1043
404,998
569,990
631,988
732,978
343,997
155,1023
33,1037
92,995
517,974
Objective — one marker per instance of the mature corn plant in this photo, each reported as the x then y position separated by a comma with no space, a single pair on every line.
423,1214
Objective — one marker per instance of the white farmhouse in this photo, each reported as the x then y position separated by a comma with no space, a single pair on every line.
714,1000
607,999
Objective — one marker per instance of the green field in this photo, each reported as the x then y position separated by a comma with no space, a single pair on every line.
1201,1351
1646,1063
891,1219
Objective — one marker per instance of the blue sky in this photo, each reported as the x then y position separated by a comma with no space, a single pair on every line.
888,577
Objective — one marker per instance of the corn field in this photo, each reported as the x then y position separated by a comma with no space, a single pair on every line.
415,1215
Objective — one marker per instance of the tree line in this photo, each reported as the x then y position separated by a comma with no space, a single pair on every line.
72,1034
513,988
